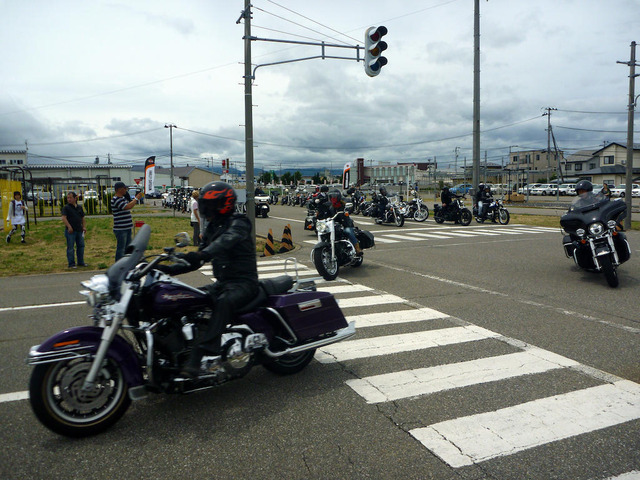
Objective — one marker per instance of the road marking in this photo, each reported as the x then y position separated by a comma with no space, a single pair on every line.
476,438
14,396
425,381
399,316
407,342
459,234
47,305
431,235
369,300
349,288
408,236
384,240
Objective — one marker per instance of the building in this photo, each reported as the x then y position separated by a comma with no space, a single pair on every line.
606,165
534,165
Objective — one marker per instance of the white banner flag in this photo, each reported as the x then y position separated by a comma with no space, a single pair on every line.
149,175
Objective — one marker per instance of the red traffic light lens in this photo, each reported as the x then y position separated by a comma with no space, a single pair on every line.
378,33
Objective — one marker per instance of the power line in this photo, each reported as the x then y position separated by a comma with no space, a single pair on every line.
590,130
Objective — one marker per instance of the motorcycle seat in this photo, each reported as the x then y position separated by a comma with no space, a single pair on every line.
267,287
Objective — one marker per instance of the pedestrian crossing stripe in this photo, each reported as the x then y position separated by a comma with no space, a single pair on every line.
477,438
390,318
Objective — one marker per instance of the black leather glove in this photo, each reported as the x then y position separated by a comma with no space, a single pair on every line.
196,259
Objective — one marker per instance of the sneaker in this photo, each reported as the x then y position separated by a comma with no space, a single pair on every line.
71,266
8,238
82,265
23,241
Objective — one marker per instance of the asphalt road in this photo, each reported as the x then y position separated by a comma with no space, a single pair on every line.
491,356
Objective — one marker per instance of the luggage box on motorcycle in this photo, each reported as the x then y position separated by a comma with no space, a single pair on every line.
309,314
365,239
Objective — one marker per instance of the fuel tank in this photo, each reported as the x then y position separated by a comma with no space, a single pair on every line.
170,298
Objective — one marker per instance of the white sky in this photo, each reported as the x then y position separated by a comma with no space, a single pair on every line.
74,71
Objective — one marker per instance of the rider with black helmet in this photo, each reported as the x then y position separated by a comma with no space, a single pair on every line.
337,205
382,202
227,242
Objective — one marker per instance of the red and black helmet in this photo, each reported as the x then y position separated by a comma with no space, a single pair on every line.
335,197
217,199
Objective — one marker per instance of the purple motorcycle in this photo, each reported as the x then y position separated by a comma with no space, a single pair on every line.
144,326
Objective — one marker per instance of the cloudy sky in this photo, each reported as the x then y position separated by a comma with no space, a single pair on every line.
84,79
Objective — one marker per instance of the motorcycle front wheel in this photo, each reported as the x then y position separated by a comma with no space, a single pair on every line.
326,267
289,364
609,271
503,216
399,219
421,214
465,217
57,398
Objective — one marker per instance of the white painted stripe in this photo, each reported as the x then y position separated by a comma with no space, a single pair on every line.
458,234
432,235
306,273
519,230
407,342
405,237
345,289
14,397
369,300
477,438
491,232
312,242
391,318
278,261
47,305
469,232
384,240
425,381
290,267
635,475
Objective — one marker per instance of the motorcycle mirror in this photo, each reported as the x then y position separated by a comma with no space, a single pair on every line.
182,239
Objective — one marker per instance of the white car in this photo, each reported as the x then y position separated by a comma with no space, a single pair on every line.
90,195
544,189
528,188
567,189
621,191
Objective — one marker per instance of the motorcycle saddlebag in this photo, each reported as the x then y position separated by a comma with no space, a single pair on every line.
309,314
622,247
569,246
365,239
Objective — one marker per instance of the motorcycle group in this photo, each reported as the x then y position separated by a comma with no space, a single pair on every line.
153,333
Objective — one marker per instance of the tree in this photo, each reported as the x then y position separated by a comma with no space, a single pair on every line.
316,178
265,178
287,178
297,176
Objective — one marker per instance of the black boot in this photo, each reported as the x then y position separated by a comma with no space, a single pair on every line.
193,367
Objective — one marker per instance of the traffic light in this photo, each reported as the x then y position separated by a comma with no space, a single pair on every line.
373,48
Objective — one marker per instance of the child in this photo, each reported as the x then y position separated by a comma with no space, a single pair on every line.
17,208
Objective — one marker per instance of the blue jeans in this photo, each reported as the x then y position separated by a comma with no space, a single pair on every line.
74,239
123,238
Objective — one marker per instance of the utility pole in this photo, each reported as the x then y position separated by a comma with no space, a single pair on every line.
248,116
632,103
476,96
548,114
171,126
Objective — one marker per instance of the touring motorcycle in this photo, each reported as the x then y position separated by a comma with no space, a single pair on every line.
594,238
416,209
496,212
457,213
392,214
334,250
144,326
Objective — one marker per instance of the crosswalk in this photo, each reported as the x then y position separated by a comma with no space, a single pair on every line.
410,234
464,440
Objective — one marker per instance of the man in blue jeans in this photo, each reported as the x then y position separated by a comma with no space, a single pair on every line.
75,227
122,221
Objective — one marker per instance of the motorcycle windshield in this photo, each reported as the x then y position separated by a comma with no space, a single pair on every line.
133,254
588,201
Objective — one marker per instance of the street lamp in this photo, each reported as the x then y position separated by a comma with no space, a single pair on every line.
171,126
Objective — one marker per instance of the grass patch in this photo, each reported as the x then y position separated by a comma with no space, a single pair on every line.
46,247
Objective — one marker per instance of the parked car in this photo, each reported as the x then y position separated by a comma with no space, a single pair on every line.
621,190
544,189
90,195
461,189
155,194
567,189
528,187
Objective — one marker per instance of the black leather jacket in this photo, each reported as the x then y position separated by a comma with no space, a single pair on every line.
227,242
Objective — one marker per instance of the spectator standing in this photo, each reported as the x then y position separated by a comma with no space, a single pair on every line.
122,221
17,209
75,227
606,191
195,217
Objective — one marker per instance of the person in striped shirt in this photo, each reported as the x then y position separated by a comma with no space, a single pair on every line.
122,222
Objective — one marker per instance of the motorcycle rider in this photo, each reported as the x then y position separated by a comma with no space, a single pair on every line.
228,244
483,197
337,205
446,197
381,201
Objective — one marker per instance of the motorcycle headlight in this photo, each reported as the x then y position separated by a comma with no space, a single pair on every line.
580,232
611,224
97,290
321,227
596,228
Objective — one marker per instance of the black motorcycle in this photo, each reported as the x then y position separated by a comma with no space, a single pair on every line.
262,206
391,214
334,250
416,209
496,212
594,239
145,323
456,212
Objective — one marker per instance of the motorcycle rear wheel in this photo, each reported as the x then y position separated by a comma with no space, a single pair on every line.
503,216
609,271
325,266
438,217
289,364
465,217
421,214
55,393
